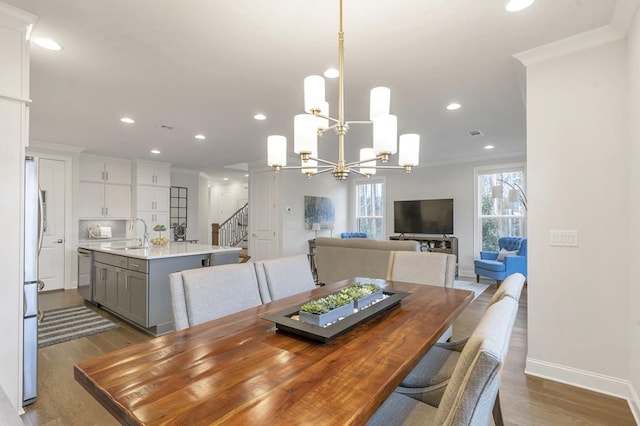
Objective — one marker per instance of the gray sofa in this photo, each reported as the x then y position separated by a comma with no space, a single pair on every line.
338,259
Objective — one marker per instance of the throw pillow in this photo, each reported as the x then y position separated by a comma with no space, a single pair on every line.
504,253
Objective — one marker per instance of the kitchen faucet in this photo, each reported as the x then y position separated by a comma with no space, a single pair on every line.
145,237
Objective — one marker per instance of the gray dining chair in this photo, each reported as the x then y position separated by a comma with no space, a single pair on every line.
422,267
428,380
470,395
286,276
204,294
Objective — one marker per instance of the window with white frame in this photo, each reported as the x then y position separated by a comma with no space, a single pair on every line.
369,197
502,205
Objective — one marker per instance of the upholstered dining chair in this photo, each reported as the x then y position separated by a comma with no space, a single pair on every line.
470,396
204,294
422,268
498,265
286,276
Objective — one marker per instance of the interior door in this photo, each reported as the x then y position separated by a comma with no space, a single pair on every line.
51,261
264,222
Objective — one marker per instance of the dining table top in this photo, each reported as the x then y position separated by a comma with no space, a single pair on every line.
240,369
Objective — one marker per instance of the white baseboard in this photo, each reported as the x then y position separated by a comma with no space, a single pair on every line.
634,403
587,380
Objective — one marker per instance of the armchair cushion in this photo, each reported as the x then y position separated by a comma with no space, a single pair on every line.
504,253
490,265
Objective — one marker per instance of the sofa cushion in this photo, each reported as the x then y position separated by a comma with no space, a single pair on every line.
489,265
338,259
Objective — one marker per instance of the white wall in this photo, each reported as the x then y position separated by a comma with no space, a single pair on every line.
455,181
634,211
14,90
204,227
226,198
578,171
294,186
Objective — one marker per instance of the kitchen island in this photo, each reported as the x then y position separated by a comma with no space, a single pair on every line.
133,281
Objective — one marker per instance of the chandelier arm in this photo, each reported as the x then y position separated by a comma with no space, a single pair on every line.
327,117
359,122
329,163
359,162
360,173
305,167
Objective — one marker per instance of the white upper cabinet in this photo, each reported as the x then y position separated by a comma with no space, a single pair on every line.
106,170
98,200
153,199
104,190
153,173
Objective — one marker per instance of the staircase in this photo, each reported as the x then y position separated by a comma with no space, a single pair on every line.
233,232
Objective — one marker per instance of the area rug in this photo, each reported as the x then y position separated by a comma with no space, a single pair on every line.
64,324
477,288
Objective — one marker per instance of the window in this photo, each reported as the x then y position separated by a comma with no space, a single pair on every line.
370,208
501,205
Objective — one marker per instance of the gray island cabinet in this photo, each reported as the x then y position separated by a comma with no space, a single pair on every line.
133,282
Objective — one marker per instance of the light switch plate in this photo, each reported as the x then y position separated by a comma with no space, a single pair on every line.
564,238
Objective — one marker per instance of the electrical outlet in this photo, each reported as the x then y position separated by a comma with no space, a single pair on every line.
566,238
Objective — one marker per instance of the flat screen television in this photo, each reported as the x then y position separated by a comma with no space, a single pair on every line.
423,216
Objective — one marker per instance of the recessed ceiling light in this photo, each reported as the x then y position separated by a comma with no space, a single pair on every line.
260,117
517,5
453,106
246,175
127,120
47,43
155,151
201,137
225,178
331,73
489,147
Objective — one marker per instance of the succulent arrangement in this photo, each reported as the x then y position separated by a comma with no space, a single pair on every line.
336,300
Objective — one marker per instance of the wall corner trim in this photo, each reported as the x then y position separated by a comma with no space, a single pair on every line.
566,46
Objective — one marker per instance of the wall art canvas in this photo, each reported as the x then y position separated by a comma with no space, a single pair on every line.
318,210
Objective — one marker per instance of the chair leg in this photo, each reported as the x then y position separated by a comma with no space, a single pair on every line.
477,278
497,411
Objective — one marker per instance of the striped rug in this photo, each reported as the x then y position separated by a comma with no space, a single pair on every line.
63,324
476,288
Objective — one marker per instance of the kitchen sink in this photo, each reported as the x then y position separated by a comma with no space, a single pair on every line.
128,248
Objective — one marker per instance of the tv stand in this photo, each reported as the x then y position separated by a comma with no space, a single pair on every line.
434,244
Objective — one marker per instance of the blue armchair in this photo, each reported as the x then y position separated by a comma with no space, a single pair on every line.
489,266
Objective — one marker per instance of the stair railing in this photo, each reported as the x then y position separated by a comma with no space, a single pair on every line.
232,231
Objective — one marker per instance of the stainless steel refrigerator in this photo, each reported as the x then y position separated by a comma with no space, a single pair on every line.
33,227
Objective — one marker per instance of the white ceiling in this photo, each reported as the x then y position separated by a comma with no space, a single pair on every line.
207,66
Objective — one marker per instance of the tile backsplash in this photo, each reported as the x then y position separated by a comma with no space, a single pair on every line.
119,229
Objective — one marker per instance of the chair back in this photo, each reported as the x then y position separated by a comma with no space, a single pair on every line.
513,244
472,389
422,267
204,294
510,287
286,276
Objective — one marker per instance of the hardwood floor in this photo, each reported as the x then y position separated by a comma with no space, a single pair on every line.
525,400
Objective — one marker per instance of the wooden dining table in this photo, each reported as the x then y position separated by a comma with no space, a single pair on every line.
240,369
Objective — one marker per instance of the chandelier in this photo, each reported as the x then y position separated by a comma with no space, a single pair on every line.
315,121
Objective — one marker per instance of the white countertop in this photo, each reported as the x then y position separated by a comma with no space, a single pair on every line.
172,249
